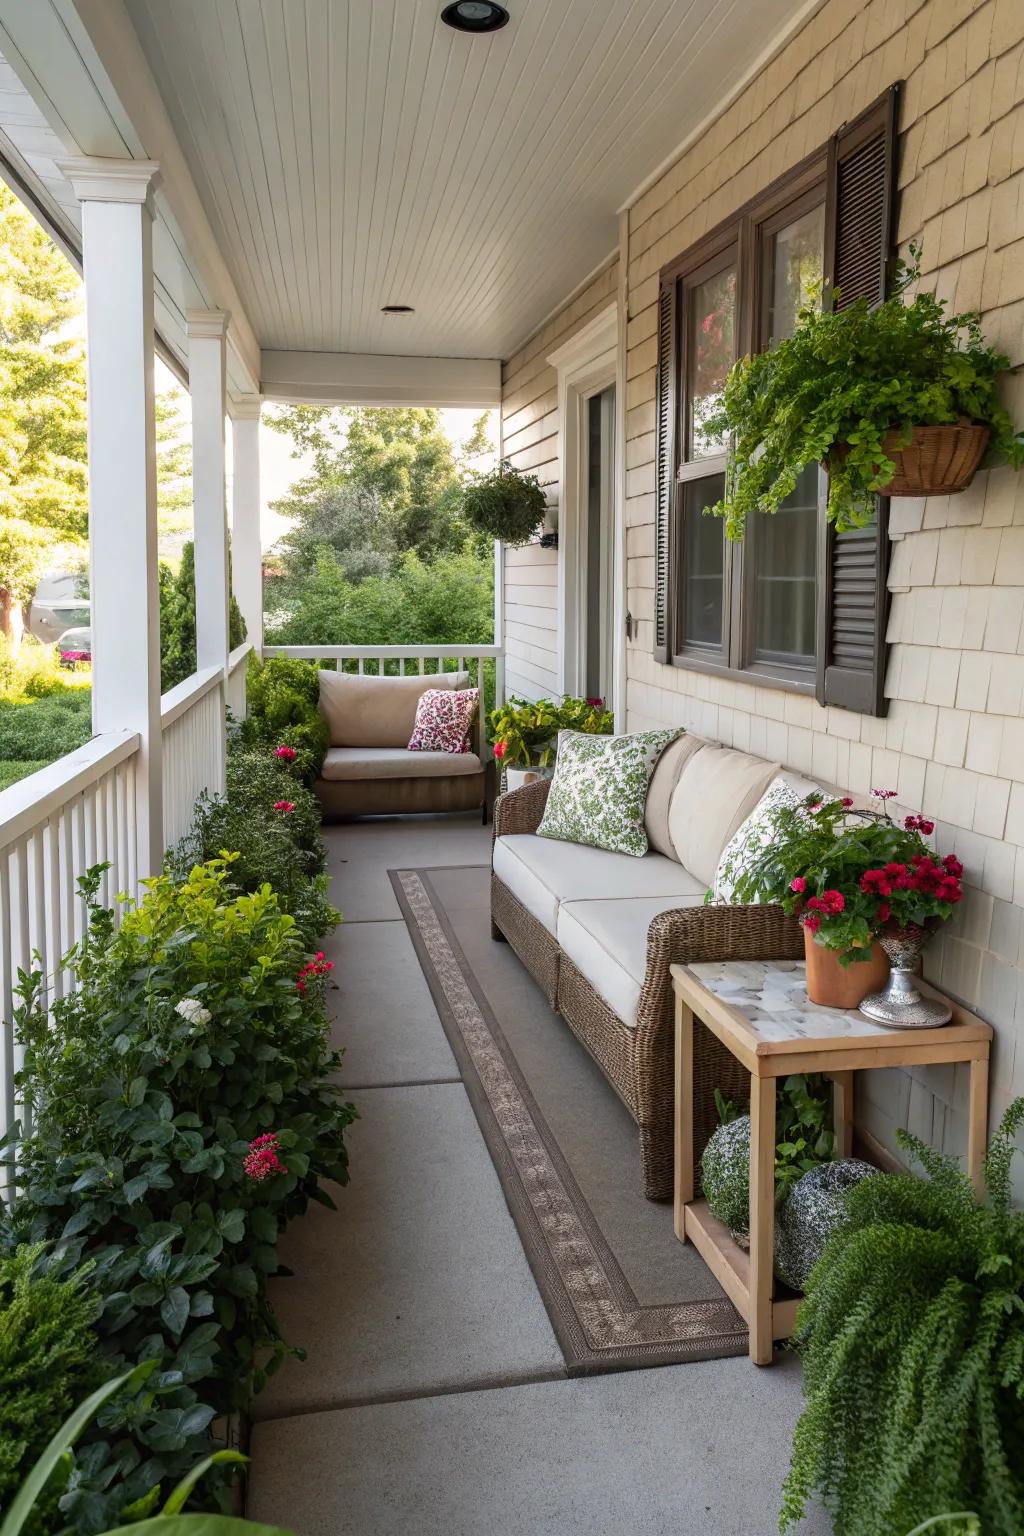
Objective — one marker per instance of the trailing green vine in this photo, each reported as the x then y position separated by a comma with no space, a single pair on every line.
848,376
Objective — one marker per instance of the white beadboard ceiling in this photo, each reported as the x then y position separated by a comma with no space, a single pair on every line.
354,153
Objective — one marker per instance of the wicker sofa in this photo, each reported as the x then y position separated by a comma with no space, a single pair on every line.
598,932
369,770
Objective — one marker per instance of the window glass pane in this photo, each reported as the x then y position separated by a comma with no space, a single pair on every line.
784,554
712,352
796,257
702,550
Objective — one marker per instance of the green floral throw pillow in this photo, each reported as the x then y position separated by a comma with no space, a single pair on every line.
599,790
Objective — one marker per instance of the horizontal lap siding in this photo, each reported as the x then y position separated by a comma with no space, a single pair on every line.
529,420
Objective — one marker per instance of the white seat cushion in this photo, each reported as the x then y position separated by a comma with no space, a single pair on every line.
396,763
541,872
607,942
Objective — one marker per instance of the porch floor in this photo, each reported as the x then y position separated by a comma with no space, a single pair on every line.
434,1398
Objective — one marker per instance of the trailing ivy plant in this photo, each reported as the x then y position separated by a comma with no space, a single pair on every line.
847,377
185,1105
505,504
912,1338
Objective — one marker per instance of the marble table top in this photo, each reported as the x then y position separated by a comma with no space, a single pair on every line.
771,996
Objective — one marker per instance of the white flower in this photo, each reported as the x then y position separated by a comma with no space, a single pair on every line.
193,1011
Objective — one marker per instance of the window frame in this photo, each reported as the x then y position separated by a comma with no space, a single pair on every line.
743,236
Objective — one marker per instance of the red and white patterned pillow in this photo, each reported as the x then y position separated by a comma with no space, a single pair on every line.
443,719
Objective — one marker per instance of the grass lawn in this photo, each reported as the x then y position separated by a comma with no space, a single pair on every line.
11,772
34,732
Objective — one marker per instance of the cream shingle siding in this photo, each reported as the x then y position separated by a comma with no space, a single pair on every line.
953,741
530,437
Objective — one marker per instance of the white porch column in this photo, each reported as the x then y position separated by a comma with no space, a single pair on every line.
246,542
117,228
207,382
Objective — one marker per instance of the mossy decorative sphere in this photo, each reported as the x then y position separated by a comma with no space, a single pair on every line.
816,1208
725,1174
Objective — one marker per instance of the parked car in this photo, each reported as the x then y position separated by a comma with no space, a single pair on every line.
58,605
75,646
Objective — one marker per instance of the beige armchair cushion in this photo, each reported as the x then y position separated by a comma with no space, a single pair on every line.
376,711
663,786
717,790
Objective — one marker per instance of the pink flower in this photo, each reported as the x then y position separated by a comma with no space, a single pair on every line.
798,884
846,801
286,754
596,703
884,794
262,1161
500,748
318,966
285,806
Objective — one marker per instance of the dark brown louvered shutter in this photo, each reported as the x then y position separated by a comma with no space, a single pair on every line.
665,468
859,233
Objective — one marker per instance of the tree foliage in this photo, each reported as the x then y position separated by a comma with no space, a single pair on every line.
43,479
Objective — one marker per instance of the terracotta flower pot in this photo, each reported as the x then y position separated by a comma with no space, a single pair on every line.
842,986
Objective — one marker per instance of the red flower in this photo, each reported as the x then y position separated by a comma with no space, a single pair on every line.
811,921
286,754
318,966
876,882
953,866
919,824
882,912
846,801
833,902
262,1161
596,703
500,748
798,884
285,806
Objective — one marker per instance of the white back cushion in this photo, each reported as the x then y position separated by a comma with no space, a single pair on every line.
717,790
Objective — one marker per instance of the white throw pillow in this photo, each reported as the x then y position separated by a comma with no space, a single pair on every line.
754,836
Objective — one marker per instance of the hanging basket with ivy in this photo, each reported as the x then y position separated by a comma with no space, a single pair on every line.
505,504
898,400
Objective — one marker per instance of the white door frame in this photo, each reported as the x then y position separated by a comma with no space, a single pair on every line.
586,365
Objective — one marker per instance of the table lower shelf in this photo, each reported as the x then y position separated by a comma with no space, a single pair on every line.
730,1265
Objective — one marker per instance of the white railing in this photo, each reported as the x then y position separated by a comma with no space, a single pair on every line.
406,660
55,825
237,664
192,720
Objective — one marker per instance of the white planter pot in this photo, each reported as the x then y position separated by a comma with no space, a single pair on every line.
515,778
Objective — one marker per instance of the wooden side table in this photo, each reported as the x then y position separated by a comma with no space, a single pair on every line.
760,1012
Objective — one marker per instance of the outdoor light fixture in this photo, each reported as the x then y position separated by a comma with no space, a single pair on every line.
474,16
397,309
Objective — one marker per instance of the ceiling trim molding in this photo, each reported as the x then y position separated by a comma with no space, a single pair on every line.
764,58
98,179
353,378
591,341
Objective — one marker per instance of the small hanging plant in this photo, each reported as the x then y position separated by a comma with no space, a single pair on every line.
505,504
851,389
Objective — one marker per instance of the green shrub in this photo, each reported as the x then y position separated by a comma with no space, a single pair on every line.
282,704
31,672
48,1361
178,621
196,1029
46,728
271,846
912,1338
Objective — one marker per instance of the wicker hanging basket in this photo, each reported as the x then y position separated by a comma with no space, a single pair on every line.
937,461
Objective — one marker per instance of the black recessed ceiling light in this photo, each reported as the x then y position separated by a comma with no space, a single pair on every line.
474,16
397,309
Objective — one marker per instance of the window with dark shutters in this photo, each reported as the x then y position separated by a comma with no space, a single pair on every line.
852,593
800,608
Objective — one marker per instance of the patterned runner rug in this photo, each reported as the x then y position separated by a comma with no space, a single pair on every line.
620,1290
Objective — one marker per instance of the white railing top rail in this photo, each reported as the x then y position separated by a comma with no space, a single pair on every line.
386,652
238,655
31,801
177,701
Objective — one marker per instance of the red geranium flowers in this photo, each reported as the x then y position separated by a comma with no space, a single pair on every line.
317,967
262,1161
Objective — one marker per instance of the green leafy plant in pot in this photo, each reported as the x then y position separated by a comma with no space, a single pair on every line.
900,398
912,1339
525,733
860,883
505,504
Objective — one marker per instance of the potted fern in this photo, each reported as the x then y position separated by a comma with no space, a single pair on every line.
505,504
900,399
912,1338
